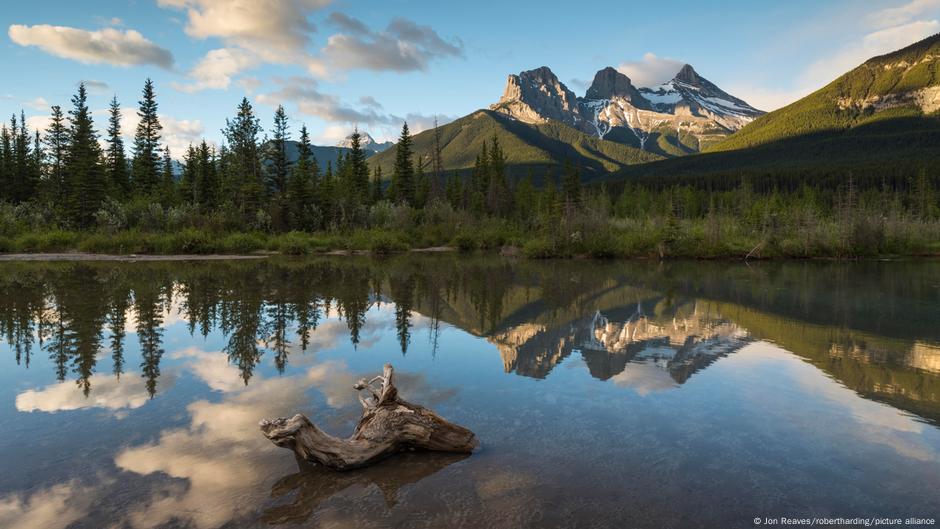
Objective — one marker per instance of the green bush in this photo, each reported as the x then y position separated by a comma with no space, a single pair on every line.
384,243
293,243
540,248
241,243
465,242
603,245
48,241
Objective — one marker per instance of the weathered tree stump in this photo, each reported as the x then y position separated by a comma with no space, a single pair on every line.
388,425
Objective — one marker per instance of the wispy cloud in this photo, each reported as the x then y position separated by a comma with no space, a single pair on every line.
278,31
305,95
402,46
651,70
105,46
216,69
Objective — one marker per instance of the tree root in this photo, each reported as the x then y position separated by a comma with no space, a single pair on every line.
388,425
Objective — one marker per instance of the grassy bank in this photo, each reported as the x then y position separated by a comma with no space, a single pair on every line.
708,238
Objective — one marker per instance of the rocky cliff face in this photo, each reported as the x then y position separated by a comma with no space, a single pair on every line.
680,116
535,96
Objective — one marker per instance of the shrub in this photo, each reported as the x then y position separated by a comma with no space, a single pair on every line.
540,248
465,242
293,243
241,243
384,243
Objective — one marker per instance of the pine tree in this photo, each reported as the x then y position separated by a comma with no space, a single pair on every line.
276,156
497,192
146,165
571,188
57,146
403,187
84,178
190,176
6,162
23,182
300,184
207,178
118,176
167,178
437,165
277,171
377,184
241,133
358,169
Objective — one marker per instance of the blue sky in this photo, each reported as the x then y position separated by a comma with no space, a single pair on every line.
336,64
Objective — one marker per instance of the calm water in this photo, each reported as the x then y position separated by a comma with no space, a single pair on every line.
604,394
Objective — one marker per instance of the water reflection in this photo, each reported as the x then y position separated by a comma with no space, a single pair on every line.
314,484
617,317
582,379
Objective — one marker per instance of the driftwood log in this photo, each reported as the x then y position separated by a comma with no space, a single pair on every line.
388,425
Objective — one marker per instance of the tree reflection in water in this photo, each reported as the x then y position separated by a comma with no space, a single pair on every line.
863,323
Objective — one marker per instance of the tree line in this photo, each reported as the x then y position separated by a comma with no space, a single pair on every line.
258,180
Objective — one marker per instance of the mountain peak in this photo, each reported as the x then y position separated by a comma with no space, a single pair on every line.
688,75
535,95
366,142
609,83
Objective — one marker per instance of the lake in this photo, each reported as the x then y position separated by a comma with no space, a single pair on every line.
604,394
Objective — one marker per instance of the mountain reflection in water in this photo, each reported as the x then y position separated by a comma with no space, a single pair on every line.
536,315
604,393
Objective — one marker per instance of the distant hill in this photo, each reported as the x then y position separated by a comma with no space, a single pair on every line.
879,120
902,84
527,146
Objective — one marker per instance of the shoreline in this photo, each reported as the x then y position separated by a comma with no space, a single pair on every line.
85,256
434,250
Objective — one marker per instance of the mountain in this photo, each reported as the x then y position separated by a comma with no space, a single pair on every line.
367,143
535,146
879,120
327,153
682,116
905,83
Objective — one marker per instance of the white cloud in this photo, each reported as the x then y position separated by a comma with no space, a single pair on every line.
109,393
305,95
95,87
767,99
105,46
56,507
213,368
38,103
873,44
895,16
402,47
39,123
651,70
277,30
178,134
216,69
644,378
249,84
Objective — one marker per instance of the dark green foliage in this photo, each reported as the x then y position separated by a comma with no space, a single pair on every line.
84,178
403,186
301,186
243,176
118,174
146,166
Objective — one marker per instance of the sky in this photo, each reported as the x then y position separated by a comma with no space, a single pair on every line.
335,65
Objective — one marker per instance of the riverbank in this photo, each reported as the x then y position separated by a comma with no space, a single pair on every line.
681,240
